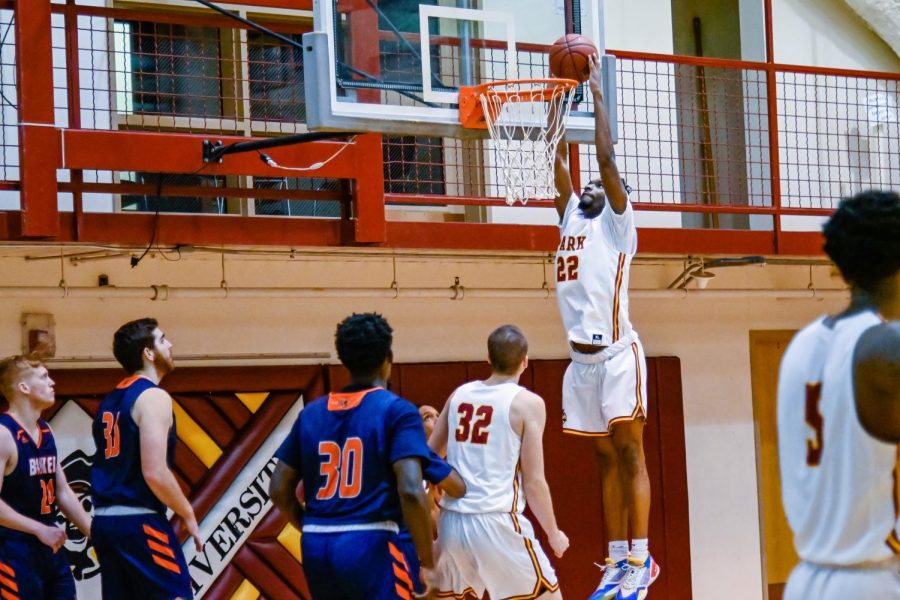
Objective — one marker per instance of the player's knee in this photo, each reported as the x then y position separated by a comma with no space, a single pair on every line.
607,455
630,456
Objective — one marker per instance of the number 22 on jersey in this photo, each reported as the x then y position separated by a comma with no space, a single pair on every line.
341,468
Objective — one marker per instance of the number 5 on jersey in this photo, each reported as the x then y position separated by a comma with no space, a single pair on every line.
341,468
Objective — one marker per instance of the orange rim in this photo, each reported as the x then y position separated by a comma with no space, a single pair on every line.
471,112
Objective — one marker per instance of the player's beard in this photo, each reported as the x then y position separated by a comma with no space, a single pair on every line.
164,363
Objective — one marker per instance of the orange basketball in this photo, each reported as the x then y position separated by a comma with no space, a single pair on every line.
569,57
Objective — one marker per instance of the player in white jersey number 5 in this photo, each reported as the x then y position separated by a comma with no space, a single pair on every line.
605,387
492,431
839,418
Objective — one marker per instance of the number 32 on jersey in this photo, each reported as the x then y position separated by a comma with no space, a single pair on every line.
473,423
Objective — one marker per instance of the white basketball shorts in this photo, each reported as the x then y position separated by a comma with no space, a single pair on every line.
496,552
600,390
809,581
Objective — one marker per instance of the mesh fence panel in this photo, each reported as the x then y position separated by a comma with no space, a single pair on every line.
838,136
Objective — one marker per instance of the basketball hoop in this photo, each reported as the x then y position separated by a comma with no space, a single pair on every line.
526,120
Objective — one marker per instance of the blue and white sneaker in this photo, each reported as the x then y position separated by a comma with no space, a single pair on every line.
613,575
638,579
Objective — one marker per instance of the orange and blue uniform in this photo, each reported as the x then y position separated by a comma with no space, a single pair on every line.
138,551
29,569
345,445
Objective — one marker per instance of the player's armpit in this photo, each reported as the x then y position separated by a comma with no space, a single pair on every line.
283,491
876,381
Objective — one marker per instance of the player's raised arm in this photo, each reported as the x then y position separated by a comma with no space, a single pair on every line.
70,505
562,175
876,379
609,172
528,416
153,415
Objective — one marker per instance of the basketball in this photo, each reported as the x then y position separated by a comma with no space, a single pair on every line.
570,57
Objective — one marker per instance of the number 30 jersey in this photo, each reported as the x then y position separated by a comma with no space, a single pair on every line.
345,445
839,484
593,262
484,449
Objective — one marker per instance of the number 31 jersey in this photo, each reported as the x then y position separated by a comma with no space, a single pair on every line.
484,449
593,262
345,445
839,483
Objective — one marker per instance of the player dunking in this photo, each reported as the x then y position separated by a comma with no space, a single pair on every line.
131,480
839,417
605,388
33,563
492,432
359,454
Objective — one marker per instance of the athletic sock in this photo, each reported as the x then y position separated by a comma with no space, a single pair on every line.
639,549
618,550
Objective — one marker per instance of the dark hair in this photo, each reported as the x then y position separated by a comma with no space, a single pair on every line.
11,370
130,341
363,342
862,237
507,347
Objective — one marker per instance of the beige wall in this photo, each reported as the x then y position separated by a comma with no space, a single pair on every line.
710,336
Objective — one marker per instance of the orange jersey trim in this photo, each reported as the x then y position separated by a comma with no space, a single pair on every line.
8,595
9,583
638,388
155,533
7,569
167,564
620,272
466,593
893,540
157,547
402,592
128,381
40,433
346,401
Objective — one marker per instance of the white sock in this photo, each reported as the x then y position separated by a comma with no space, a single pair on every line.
618,550
639,549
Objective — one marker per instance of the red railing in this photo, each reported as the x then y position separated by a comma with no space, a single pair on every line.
105,109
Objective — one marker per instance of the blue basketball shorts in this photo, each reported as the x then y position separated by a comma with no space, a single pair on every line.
355,565
30,570
140,557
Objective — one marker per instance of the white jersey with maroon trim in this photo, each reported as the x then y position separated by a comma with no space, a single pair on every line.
592,270
839,484
484,449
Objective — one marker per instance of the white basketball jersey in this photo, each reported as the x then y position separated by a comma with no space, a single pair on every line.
484,449
839,484
592,271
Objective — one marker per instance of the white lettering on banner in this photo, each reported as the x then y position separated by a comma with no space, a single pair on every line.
237,513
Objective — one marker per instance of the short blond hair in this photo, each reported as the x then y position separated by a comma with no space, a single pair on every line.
11,371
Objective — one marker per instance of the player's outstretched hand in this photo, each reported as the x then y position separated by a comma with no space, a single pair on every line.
559,543
594,77
427,577
194,531
52,536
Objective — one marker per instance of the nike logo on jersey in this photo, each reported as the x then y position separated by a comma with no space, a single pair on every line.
42,465
571,242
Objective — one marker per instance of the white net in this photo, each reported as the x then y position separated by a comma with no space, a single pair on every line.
526,120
